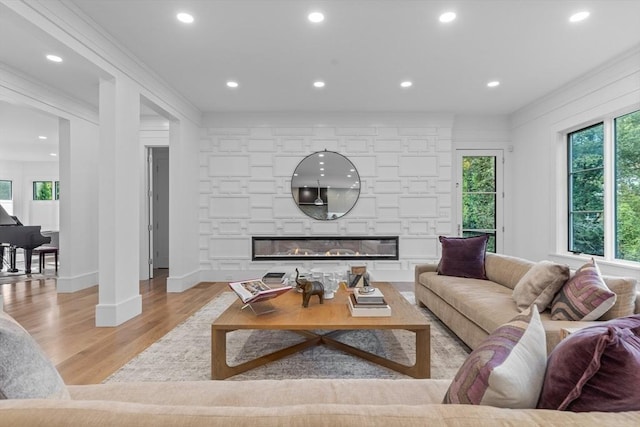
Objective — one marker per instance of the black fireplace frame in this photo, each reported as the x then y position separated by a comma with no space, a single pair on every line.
392,240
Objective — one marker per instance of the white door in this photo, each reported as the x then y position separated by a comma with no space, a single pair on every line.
480,195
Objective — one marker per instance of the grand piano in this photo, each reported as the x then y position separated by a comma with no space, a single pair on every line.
15,235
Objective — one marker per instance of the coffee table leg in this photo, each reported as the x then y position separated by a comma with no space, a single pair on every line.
422,368
219,367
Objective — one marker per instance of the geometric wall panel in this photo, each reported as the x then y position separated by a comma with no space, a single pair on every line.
245,189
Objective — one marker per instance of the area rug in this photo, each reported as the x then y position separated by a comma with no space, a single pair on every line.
184,354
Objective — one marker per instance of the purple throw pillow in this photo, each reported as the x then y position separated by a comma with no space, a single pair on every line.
463,256
585,296
595,369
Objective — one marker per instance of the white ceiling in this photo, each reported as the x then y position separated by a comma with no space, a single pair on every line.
363,50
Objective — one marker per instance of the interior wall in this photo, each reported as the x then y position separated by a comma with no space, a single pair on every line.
32,212
246,164
539,170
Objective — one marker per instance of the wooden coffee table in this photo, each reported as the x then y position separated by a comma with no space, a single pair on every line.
333,316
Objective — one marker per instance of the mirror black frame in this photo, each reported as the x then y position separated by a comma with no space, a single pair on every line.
341,190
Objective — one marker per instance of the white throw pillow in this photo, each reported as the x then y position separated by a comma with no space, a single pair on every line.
507,369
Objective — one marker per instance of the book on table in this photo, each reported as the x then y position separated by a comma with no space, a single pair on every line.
255,290
369,295
368,310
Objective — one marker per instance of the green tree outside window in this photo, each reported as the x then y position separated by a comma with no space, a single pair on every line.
42,190
586,190
5,190
627,214
479,198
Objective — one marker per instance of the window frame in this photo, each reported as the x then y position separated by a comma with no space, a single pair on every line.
610,186
570,174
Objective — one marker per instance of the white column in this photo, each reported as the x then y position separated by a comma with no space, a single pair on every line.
119,204
78,145
184,207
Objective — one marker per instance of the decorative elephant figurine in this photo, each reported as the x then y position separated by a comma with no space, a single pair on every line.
309,288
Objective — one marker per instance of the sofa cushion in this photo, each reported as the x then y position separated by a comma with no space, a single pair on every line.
506,270
463,256
595,369
625,289
507,369
485,303
540,284
25,371
584,297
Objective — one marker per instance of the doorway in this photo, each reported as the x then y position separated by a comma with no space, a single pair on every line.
158,191
480,195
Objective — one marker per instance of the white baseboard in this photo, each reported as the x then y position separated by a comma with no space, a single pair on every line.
76,283
184,282
117,314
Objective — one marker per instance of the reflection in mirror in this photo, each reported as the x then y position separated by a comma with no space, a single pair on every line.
325,185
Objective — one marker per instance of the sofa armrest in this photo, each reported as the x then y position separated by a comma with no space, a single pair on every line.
423,268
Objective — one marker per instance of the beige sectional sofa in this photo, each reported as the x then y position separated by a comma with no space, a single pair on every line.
474,308
315,402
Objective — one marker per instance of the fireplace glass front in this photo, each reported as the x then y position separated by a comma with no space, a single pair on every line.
324,248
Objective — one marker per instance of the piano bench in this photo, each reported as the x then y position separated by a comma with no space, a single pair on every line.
44,250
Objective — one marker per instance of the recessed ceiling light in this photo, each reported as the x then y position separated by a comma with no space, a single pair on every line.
580,16
232,84
42,137
53,154
447,17
316,17
54,58
493,83
406,84
318,84
185,17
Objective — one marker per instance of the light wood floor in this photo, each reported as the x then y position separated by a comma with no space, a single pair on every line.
64,324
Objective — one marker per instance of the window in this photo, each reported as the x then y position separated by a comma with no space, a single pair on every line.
586,190
603,166
6,192
42,190
479,195
57,190
627,197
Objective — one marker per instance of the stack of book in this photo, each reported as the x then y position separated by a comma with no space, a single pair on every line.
369,304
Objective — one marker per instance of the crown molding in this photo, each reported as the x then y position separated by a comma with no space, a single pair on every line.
65,22
18,88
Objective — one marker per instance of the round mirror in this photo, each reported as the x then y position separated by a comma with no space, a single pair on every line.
325,185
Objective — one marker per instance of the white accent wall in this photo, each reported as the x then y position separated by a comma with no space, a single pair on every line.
539,170
246,164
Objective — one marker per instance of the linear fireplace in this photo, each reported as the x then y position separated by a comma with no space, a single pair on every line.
324,248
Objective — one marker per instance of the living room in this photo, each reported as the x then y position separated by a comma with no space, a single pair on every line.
401,91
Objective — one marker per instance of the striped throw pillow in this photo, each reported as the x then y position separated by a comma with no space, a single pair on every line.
585,296
507,368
